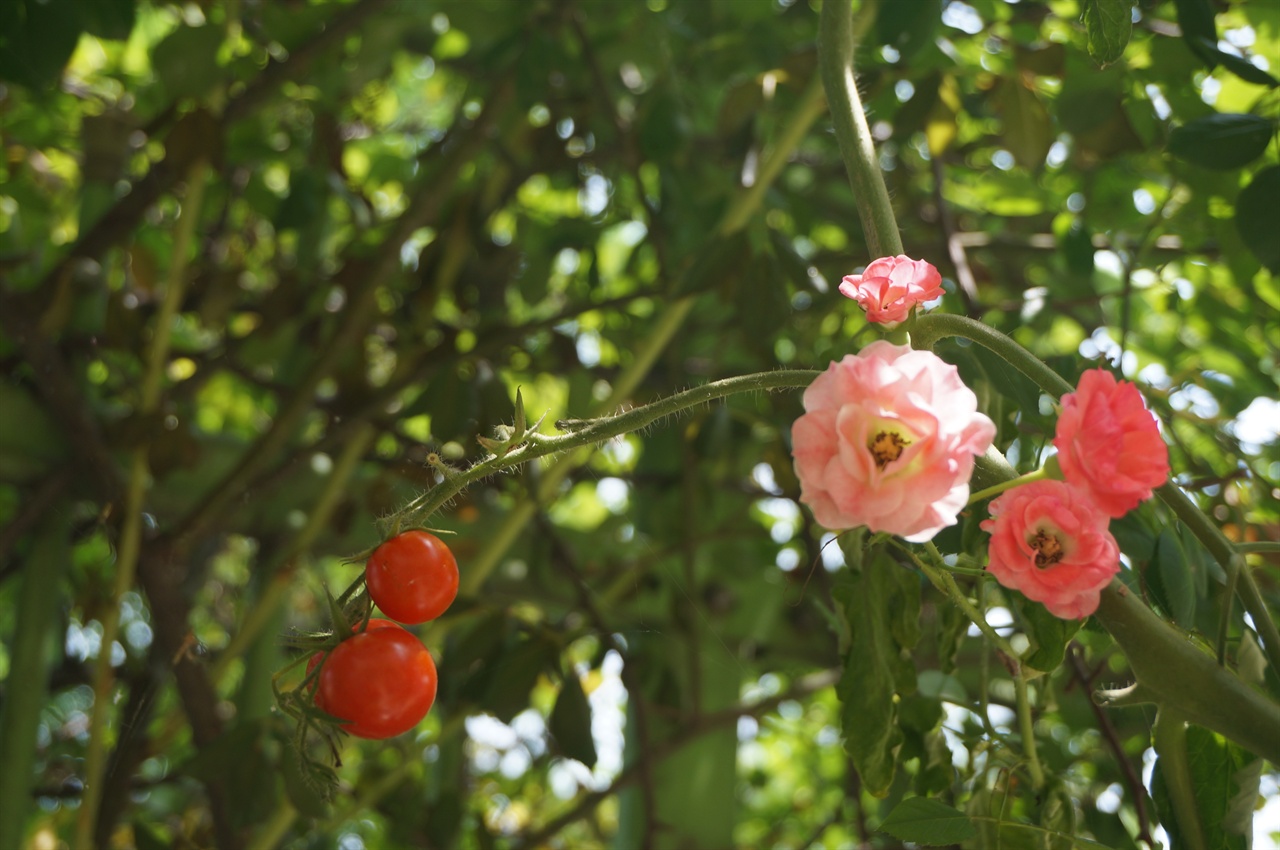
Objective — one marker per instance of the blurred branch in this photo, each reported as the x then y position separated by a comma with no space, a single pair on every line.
1137,792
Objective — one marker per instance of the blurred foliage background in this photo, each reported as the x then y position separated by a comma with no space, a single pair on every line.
397,212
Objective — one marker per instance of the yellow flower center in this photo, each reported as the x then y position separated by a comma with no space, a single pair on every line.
886,447
1049,550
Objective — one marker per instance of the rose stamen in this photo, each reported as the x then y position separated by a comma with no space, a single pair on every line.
886,447
1049,549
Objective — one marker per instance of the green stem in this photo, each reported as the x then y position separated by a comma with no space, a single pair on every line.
1228,555
36,618
1175,765
835,58
135,493
944,582
1258,548
1027,727
930,328
597,431
1173,672
996,489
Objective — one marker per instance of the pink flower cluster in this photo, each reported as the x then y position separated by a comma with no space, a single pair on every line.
891,287
888,441
1049,539
889,436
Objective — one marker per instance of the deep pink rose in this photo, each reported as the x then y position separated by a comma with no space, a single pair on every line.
1109,444
1050,541
890,287
888,442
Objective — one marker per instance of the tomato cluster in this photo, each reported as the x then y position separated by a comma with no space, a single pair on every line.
382,681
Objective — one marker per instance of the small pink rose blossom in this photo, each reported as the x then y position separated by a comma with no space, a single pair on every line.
889,288
888,441
1050,541
1109,444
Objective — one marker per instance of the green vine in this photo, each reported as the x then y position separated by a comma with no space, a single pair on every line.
517,447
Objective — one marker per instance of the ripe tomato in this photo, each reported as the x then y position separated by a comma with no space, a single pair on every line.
374,623
381,680
413,577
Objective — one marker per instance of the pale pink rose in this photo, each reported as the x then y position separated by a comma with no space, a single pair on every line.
890,287
1050,541
1109,444
888,442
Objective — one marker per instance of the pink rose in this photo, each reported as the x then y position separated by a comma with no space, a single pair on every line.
888,442
1050,541
1109,444
890,287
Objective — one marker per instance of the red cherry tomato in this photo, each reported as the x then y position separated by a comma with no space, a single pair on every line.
374,623
413,577
381,680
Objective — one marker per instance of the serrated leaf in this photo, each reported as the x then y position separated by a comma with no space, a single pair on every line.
930,822
1108,25
1258,218
875,668
1222,141
1219,770
570,722
305,781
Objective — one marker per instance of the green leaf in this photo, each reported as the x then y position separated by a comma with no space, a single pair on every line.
1108,25
186,61
908,27
1195,19
1028,126
570,722
1222,141
1077,249
36,40
926,821
1048,634
1220,770
307,783
30,442
1171,580
109,19
1238,65
1258,219
513,677
875,667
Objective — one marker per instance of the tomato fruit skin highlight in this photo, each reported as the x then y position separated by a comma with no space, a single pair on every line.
383,681
413,577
